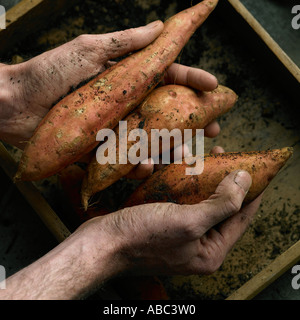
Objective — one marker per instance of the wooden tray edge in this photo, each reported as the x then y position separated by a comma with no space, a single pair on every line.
265,36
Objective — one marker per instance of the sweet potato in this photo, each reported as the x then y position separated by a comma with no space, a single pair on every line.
69,129
167,107
70,180
171,184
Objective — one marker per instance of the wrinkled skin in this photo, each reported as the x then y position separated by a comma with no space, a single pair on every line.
165,238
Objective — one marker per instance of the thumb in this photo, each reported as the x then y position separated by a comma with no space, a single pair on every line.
119,43
226,201
82,58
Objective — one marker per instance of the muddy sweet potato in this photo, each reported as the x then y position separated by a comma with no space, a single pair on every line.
167,107
69,129
171,184
70,180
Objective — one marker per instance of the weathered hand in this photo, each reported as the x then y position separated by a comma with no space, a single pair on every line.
28,90
165,238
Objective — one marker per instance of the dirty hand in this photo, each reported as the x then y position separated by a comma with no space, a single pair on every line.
159,238
166,238
28,90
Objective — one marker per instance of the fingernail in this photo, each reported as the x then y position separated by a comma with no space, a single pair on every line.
242,180
215,80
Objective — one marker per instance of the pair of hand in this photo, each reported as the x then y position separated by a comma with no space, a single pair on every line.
152,238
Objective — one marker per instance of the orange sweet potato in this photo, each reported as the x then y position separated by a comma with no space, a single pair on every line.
167,107
69,129
171,184
70,180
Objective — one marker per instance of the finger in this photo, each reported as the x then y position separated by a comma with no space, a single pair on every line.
217,149
68,65
218,241
142,171
226,201
233,228
192,77
119,43
212,129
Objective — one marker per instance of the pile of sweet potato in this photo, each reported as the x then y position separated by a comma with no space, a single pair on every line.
126,91
69,129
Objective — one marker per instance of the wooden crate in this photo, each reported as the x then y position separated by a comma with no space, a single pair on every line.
27,17
286,55
287,46
32,14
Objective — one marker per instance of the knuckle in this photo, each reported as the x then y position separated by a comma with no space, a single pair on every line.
189,231
88,42
82,39
123,38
